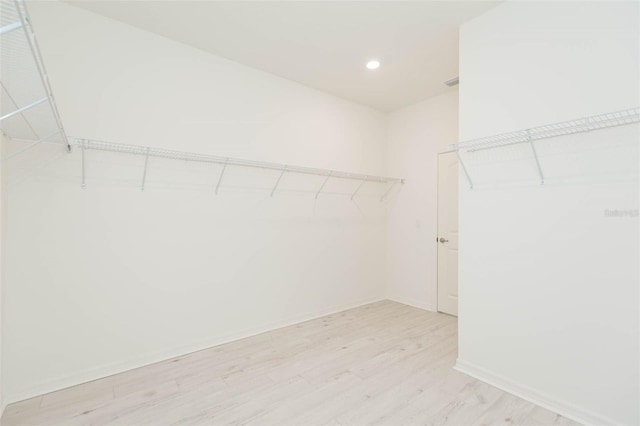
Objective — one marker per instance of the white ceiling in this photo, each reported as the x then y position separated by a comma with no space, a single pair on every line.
321,44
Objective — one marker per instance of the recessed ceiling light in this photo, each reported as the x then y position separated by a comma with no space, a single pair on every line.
372,65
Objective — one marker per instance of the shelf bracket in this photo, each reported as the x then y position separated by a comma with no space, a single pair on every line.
24,108
387,191
82,152
278,181
535,156
144,173
358,188
323,184
224,167
464,169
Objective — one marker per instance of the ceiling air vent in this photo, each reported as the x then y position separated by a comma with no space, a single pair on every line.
453,82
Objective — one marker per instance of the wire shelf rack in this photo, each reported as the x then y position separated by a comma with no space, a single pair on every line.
88,144
580,125
28,109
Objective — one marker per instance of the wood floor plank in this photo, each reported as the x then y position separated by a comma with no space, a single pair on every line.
384,363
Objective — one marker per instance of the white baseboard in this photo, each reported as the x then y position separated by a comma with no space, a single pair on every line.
412,302
152,358
563,408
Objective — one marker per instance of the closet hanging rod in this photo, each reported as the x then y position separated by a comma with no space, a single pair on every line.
11,27
88,144
580,125
23,109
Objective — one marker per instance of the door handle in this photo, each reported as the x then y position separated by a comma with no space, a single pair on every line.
442,240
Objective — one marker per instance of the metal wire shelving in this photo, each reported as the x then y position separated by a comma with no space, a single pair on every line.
146,152
28,111
580,125
24,82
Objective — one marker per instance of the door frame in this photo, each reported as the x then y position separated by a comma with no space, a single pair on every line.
438,230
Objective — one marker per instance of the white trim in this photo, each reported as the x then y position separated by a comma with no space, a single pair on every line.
152,358
413,302
564,408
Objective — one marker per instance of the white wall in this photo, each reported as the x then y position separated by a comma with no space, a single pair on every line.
109,278
415,136
548,282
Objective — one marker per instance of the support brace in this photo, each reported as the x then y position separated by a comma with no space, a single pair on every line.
535,156
464,169
224,167
387,191
323,184
278,181
144,173
357,189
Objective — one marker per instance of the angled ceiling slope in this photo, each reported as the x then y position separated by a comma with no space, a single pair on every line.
321,44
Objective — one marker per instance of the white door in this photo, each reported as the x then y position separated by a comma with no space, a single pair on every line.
448,233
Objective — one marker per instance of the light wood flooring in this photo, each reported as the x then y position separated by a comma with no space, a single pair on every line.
383,363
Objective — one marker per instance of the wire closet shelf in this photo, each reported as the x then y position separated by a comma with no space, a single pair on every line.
88,144
580,125
25,83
